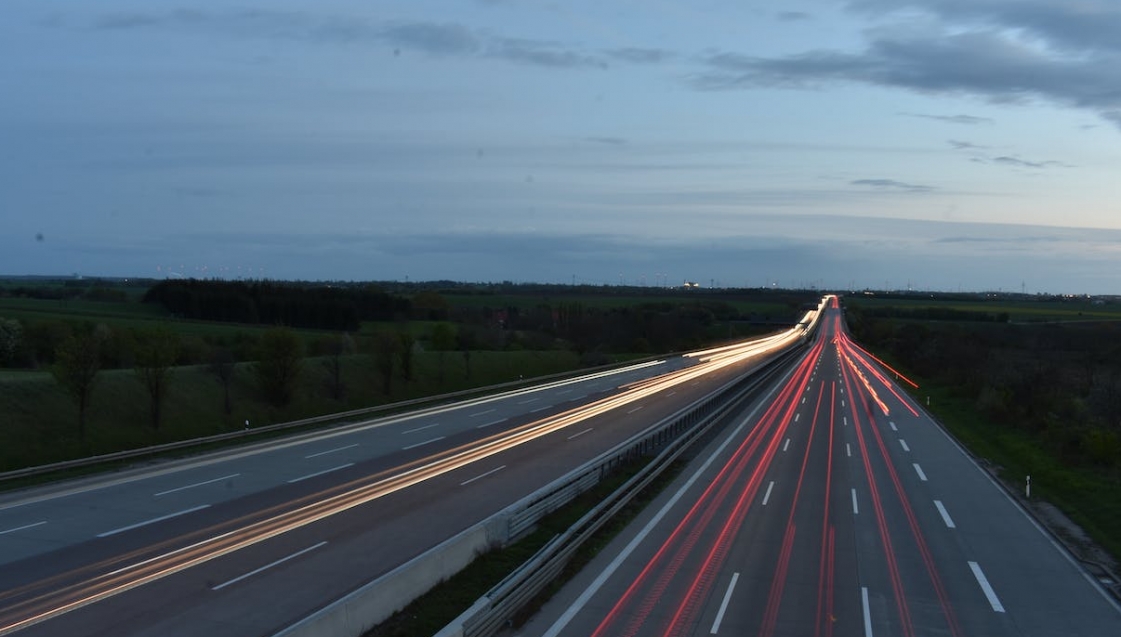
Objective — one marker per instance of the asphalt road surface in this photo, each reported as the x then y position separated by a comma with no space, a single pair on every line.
836,506
247,541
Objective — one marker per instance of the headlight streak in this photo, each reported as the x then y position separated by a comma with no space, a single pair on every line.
98,587
841,351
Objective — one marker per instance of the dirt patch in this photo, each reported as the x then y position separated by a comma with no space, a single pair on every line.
1072,535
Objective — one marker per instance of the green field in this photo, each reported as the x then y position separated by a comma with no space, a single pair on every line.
1022,311
40,420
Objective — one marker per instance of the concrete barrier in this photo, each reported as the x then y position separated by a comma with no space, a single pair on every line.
375,602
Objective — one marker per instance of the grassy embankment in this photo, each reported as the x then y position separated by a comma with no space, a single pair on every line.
1091,497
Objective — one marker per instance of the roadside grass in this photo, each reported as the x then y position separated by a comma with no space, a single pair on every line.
129,315
40,421
1089,497
429,613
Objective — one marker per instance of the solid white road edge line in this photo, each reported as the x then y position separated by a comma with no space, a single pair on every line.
1094,583
945,514
153,520
197,484
323,453
724,604
613,566
481,476
319,473
990,594
267,566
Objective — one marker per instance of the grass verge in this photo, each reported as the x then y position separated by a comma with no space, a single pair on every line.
1089,497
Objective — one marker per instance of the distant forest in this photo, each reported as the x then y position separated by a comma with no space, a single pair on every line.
296,305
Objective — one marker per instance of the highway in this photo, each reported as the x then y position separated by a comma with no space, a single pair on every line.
834,506
249,540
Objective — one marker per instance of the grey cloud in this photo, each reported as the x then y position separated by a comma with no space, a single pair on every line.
891,184
1010,240
127,21
960,145
610,141
792,16
1023,163
433,38
540,53
987,64
439,39
1063,24
639,55
969,120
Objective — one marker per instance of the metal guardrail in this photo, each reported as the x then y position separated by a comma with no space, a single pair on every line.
344,416
669,439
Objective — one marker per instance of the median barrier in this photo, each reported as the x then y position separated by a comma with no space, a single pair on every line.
494,610
667,439
375,602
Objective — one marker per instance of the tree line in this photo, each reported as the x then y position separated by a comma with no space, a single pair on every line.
281,360
312,306
1061,383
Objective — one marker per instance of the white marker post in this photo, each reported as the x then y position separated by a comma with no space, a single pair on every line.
1027,489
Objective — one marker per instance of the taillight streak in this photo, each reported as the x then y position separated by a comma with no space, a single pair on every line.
671,555
881,522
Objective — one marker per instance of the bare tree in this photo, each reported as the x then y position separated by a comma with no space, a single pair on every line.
279,365
443,340
156,352
384,353
337,347
222,365
77,363
405,352
11,334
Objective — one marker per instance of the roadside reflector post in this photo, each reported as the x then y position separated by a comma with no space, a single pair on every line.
1027,489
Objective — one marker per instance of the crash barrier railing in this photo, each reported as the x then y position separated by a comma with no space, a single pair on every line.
345,417
374,602
669,439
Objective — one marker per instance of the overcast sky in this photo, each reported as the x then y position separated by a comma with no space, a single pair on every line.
941,144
